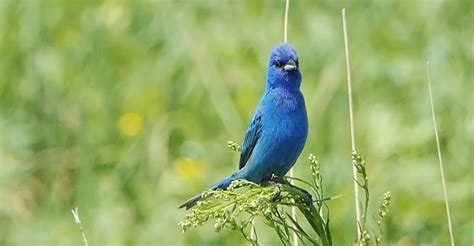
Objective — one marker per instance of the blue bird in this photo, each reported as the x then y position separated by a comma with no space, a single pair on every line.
278,130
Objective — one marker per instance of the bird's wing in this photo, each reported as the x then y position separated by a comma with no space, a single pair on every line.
251,138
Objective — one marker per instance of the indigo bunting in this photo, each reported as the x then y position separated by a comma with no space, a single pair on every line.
278,130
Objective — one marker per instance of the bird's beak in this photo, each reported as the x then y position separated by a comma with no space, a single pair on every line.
290,65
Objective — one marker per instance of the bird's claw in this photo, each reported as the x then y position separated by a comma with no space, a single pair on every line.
277,182
276,185
307,198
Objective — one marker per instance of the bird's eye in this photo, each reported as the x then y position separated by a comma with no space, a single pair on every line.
279,64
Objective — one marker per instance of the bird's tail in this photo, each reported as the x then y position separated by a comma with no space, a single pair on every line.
191,202
223,184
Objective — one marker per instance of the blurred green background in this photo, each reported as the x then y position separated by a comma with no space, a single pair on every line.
124,110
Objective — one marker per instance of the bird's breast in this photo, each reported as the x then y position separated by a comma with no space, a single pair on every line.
286,117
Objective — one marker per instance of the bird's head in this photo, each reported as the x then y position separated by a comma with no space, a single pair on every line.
283,70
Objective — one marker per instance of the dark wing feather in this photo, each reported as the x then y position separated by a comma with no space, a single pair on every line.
251,138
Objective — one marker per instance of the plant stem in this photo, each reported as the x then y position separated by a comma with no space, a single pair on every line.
253,233
285,39
77,220
285,30
293,213
351,118
441,166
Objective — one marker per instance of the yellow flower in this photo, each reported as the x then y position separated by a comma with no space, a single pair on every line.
189,169
130,124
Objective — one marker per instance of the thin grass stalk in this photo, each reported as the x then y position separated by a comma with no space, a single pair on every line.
441,166
285,28
253,232
285,39
77,220
351,118
293,213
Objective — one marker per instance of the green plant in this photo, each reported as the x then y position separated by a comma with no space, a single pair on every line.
236,208
368,231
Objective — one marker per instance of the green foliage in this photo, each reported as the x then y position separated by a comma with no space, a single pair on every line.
236,209
363,182
370,234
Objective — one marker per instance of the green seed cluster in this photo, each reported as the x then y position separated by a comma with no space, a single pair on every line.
224,206
383,210
243,201
315,170
234,146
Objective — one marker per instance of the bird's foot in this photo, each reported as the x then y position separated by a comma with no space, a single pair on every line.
307,198
305,195
276,185
282,184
